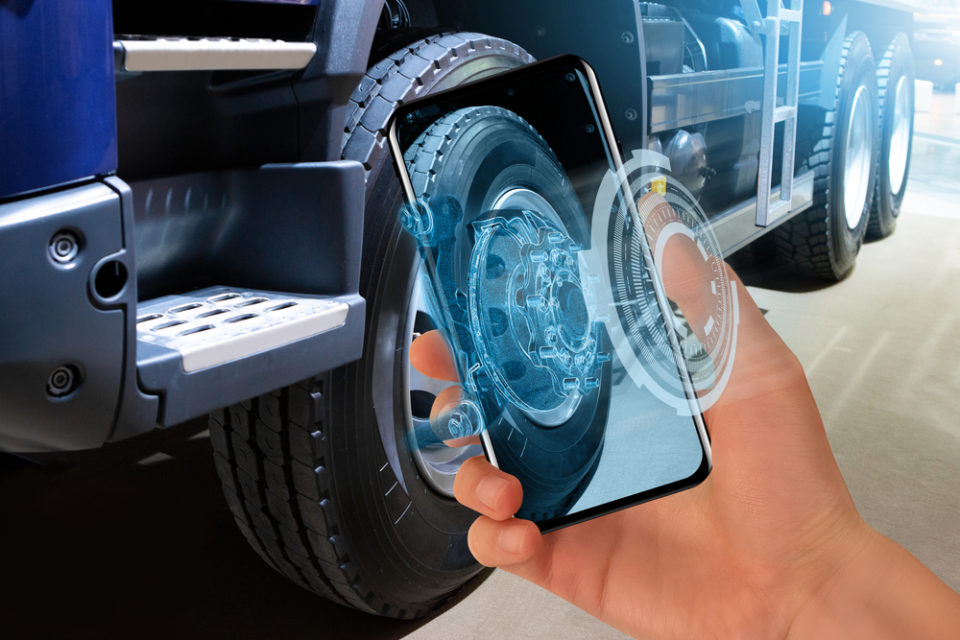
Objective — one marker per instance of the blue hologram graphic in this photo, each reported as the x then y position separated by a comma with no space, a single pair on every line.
550,304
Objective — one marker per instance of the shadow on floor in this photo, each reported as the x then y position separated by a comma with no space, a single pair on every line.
758,266
116,548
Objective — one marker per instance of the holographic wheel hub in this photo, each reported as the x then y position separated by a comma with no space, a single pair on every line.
535,338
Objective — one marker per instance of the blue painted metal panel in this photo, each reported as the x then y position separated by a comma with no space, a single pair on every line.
57,105
312,3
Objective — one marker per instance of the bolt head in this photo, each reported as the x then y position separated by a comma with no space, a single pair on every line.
63,381
64,247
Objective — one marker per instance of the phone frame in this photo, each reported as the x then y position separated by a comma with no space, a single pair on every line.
615,160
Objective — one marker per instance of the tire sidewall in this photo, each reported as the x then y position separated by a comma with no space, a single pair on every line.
858,70
409,536
420,555
888,203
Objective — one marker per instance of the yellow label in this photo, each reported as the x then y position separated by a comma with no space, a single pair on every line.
660,186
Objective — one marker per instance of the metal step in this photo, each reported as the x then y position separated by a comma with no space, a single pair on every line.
211,54
216,325
212,347
791,15
784,113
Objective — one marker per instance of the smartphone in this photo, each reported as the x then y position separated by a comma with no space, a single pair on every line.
541,278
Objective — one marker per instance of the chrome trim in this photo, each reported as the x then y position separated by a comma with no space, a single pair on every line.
736,227
685,99
211,54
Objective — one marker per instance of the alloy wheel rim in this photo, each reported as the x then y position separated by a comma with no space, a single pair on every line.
858,153
437,463
900,136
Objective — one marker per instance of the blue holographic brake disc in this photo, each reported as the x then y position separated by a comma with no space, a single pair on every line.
519,322
527,315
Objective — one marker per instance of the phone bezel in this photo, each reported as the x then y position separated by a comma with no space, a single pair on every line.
616,162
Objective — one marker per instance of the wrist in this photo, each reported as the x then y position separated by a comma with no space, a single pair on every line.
877,590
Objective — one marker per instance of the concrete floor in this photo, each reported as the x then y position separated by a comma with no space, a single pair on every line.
139,544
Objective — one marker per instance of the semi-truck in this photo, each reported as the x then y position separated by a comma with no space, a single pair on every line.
199,217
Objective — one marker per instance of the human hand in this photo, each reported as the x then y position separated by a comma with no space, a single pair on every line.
766,547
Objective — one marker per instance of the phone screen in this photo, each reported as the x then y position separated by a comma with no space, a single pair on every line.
542,279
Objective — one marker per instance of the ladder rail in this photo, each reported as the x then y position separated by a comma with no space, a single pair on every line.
768,105
778,19
793,100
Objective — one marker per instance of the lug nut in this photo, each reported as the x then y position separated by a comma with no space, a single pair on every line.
548,352
555,237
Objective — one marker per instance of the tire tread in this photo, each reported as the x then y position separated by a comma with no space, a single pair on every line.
272,452
272,492
875,226
401,77
805,240
422,158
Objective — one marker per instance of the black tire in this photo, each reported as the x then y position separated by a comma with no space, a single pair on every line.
819,241
475,155
313,473
894,73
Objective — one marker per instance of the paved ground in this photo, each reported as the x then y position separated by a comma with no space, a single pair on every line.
141,544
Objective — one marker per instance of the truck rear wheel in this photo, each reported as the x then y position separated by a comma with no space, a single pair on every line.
319,475
895,77
841,149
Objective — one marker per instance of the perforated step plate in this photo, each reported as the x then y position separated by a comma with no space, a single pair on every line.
216,325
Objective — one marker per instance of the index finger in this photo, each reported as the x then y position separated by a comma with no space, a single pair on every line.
430,355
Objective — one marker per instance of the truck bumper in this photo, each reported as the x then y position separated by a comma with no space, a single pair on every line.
77,369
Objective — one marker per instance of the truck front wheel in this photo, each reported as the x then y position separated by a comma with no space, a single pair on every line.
840,145
320,476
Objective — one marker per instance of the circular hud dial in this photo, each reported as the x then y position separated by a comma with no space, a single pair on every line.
649,333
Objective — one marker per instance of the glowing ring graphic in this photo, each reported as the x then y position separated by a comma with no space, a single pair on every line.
628,301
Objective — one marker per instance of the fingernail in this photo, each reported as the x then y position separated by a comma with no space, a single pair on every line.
511,539
489,490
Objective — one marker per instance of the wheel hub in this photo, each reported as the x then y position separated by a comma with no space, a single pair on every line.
900,137
858,153
528,313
